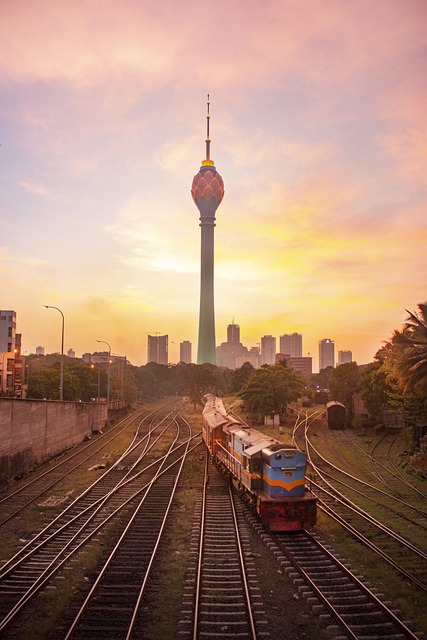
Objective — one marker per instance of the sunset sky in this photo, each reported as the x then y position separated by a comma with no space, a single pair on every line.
319,130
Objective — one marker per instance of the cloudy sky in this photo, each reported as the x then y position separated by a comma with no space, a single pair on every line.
318,127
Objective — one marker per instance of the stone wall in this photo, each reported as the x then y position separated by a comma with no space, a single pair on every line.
32,431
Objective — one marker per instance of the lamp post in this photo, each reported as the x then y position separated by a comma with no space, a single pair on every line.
109,365
92,366
61,377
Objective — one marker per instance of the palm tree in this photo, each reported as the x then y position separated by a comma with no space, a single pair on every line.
410,347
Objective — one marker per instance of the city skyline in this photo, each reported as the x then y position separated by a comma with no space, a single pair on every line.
319,134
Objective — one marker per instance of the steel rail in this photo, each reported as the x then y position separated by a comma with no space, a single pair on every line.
18,558
200,550
345,501
44,579
355,507
122,537
336,615
359,536
242,567
133,444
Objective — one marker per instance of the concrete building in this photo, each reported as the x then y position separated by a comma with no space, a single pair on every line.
7,351
207,191
230,352
268,350
303,365
39,351
71,353
291,343
185,351
253,357
326,353
344,356
157,349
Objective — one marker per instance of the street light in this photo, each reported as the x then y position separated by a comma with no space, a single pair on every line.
92,366
109,363
61,377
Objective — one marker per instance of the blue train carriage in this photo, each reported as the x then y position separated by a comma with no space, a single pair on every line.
336,415
245,446
284,503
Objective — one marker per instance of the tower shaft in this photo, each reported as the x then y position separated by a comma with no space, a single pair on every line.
206,344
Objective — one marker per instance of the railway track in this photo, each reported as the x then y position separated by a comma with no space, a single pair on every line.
19,495
110,500
222,599
355,609
121,584
378,518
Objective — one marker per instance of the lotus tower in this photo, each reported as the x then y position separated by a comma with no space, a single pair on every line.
207,191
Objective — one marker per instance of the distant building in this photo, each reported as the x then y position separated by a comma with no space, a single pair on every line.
303,365
185,352
291,343
253,357
71,353
7,351
344,356
326,353
102,356
229,353
268,350
158,349
39,351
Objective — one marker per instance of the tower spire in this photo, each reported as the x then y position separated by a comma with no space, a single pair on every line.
208,162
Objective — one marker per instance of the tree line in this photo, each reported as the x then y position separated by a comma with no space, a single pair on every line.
396,380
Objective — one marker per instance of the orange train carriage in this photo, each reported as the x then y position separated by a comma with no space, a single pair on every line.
270,474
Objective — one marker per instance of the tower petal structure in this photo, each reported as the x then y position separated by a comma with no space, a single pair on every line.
207,191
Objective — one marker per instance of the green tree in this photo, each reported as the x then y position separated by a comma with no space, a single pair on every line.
241,376
409,351
271,389
374,388
343,382
197,380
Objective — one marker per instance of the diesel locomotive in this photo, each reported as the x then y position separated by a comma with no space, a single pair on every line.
269,474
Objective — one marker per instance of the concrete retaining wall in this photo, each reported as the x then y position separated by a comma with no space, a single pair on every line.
32,431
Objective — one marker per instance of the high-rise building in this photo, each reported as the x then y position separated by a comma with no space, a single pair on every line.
7,351
230,352
71,353
207,191
344,356
326,353
185,352
291,343
39,351
233,333
157,349
268,350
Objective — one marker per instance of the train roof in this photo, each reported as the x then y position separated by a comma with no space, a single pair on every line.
257,447
334,403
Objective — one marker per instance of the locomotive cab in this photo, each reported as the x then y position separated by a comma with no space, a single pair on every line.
284,471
